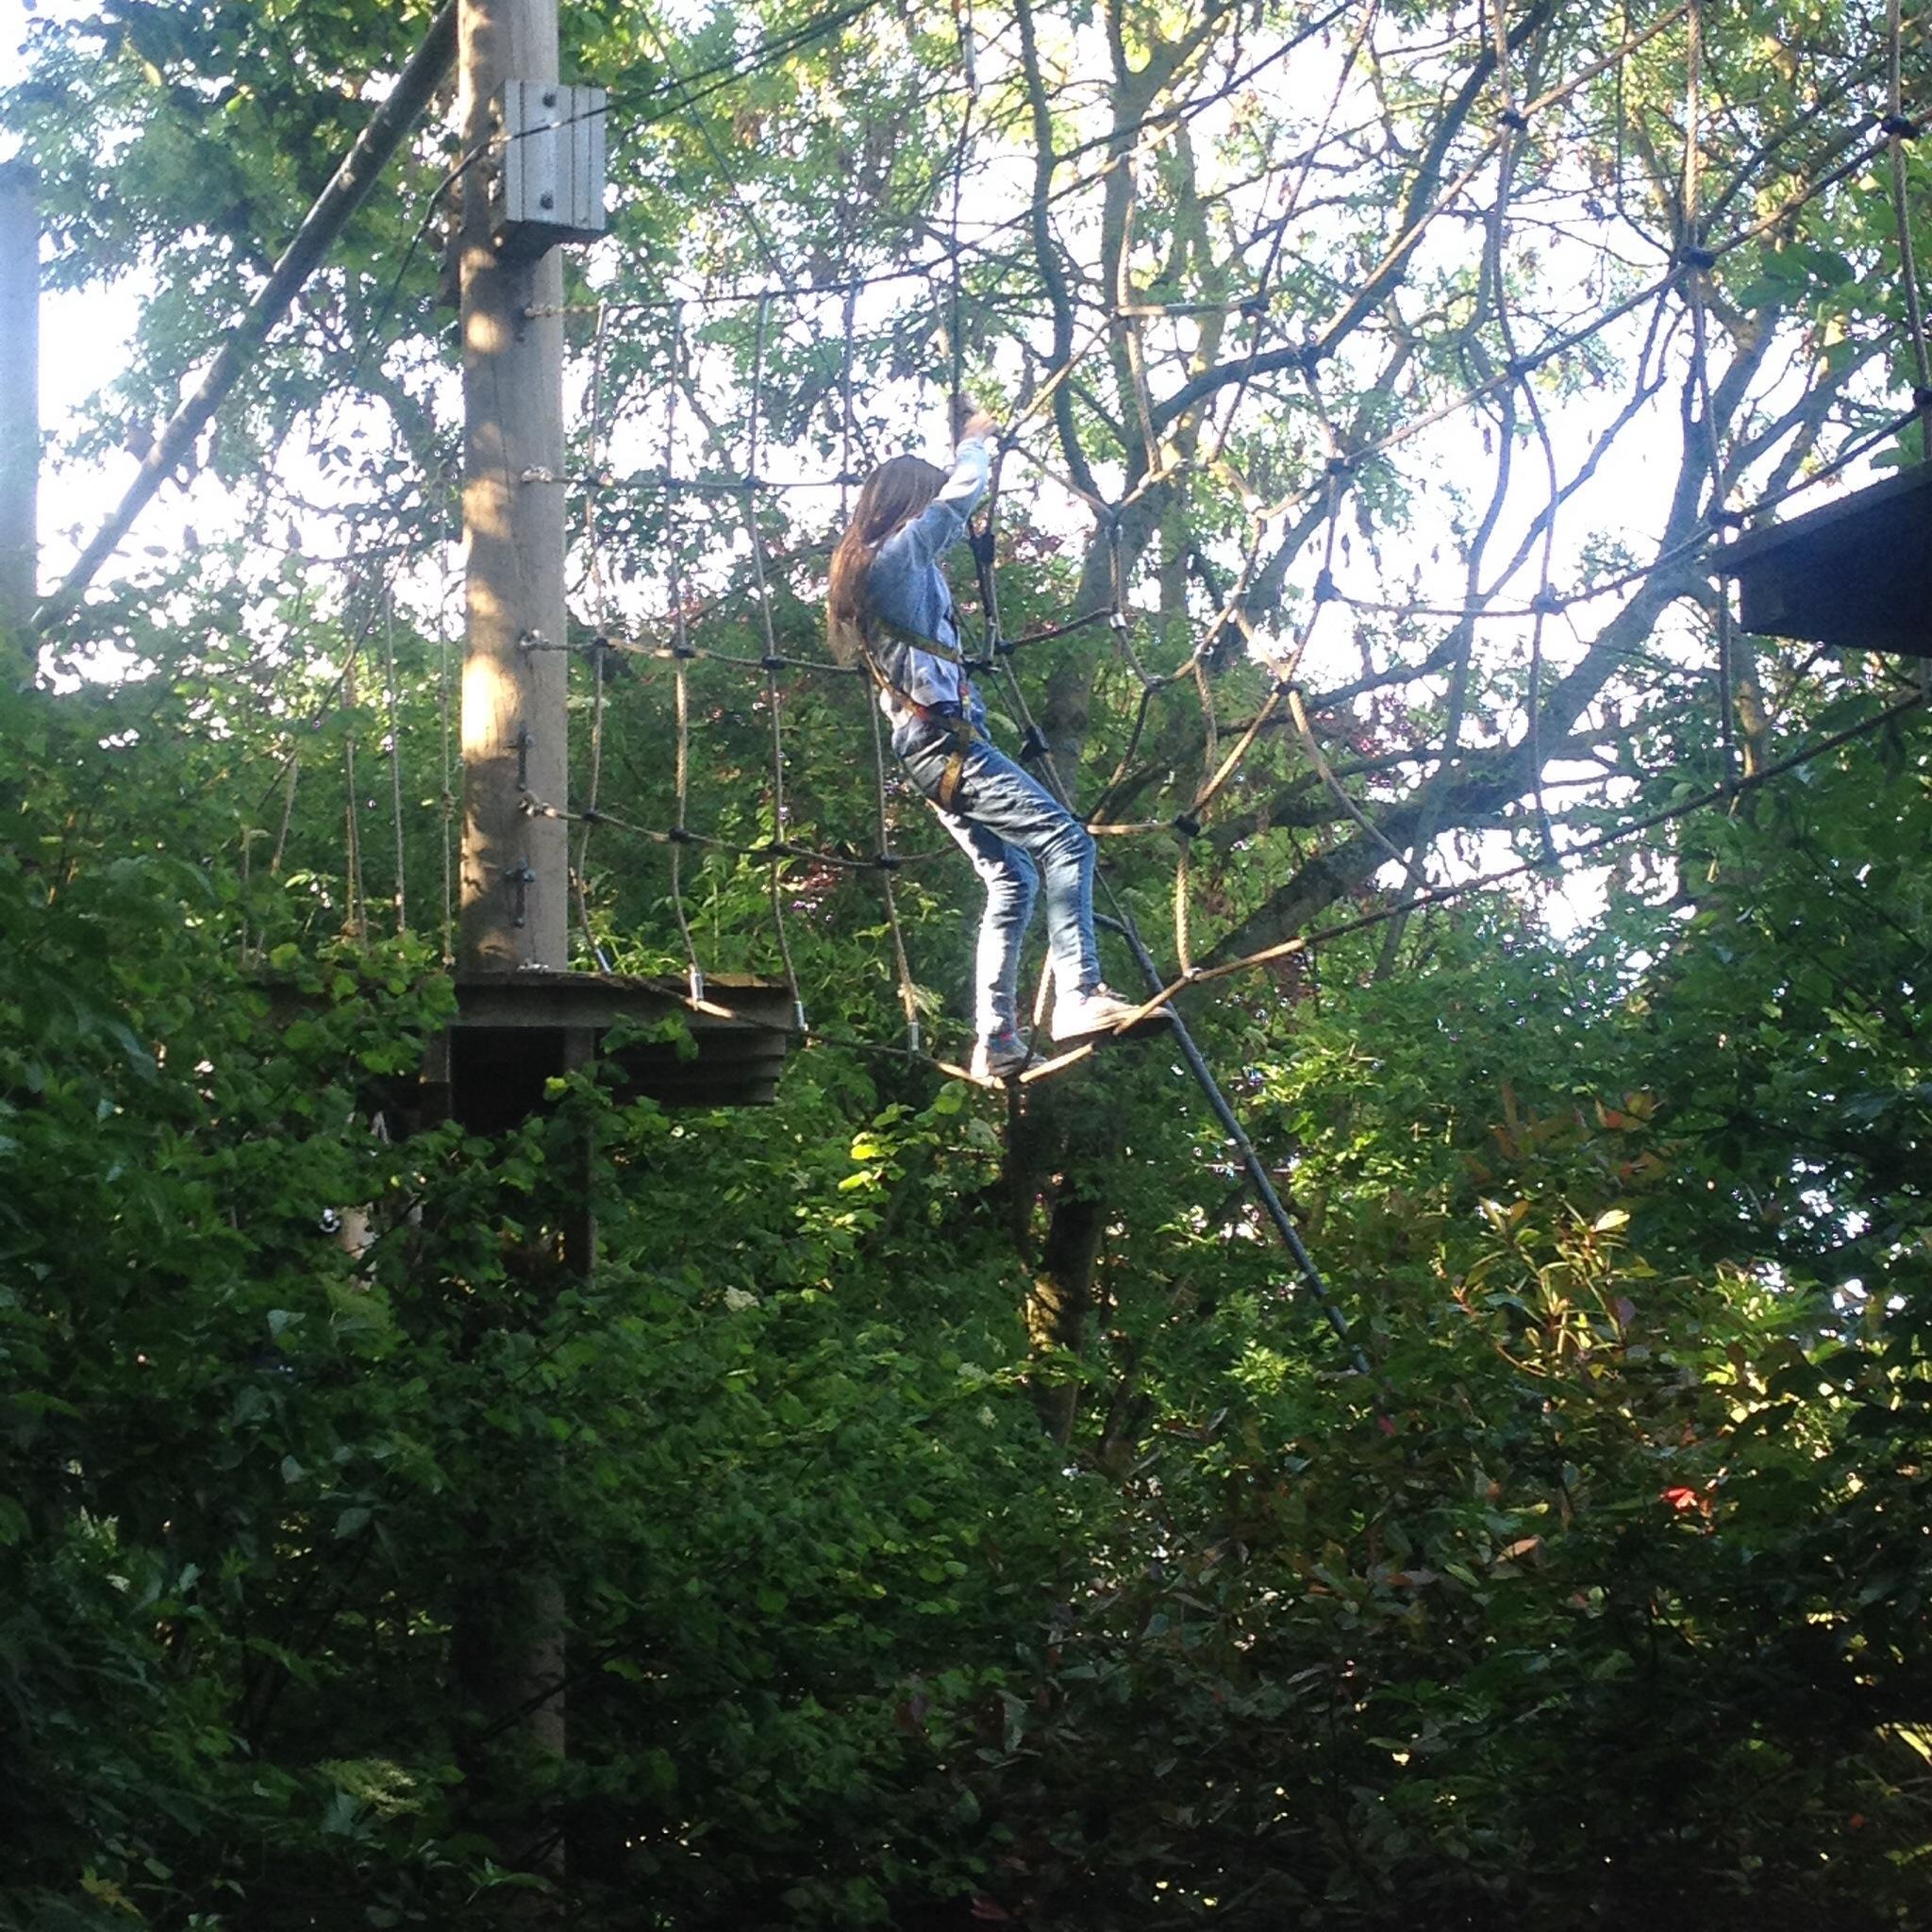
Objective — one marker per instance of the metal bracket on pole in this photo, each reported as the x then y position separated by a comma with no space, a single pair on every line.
522,878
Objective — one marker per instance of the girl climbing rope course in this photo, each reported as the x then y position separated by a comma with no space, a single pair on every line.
890,609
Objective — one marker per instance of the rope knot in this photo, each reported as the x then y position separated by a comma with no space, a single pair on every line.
1034,746
1900,127
1186,824
1514,119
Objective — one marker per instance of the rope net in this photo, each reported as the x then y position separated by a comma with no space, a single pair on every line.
1317,585
1253,614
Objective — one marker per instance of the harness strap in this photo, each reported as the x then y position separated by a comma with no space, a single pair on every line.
915,641
948,787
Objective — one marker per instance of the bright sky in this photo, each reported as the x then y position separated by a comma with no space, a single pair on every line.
83,341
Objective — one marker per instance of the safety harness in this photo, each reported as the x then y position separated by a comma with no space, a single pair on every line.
960,727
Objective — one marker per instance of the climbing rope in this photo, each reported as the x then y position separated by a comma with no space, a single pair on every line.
1514,125
772,664
600,619
356,906
680,656
446,794
1898,130
1695,262
1252,1165
393,700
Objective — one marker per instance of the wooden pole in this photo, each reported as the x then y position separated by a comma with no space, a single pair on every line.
509,1636
515,866
20,411
347,189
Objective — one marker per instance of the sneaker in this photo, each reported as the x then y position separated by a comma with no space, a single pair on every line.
1099,1009
999,1057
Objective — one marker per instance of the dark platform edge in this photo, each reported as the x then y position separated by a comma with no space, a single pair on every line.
1856,575
515,1031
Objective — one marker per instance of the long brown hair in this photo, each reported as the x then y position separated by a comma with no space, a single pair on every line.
893,495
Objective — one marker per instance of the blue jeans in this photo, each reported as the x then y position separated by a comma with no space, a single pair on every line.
1018,837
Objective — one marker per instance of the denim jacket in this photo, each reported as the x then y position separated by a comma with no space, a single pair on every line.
908,590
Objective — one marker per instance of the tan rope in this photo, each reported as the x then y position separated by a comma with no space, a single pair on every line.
774,697
680,654
393,701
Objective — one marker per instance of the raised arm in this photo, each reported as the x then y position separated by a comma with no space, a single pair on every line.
943,521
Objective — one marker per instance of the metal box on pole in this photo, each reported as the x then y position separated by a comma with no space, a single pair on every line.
550,187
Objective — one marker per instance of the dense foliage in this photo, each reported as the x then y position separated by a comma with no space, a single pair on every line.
952,1511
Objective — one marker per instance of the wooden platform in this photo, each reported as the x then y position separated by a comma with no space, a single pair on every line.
1856,573
515,1032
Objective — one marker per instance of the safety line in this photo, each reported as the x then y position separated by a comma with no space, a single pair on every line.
1584,848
